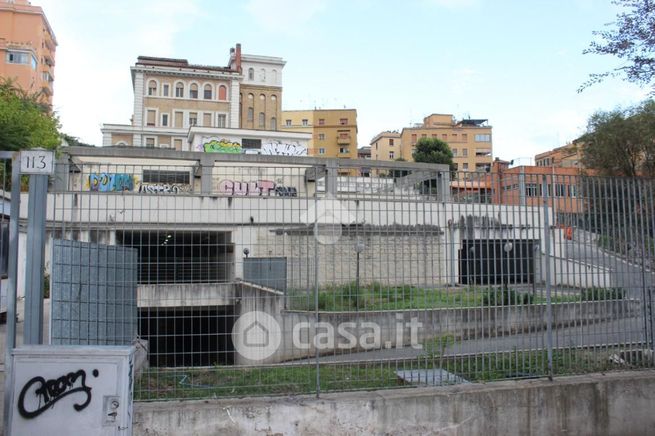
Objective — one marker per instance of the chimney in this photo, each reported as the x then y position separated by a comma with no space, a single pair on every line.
237,58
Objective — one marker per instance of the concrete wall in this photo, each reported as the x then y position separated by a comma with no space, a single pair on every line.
598,405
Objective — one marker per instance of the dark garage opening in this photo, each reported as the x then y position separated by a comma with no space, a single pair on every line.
497,261
167,256
189,336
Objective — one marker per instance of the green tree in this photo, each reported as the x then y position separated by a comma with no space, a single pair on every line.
631,40
621,142
433,150
25,122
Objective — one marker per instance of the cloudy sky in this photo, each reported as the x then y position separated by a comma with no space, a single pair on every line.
517,63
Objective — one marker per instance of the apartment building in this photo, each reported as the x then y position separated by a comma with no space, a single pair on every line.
386,146
27,47
469,139
567,156
173,96
334,131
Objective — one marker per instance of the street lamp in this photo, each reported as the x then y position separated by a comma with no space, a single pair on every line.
507,248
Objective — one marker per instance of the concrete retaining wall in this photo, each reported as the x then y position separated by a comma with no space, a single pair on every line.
599,405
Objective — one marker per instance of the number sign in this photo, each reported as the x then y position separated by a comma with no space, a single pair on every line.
36,162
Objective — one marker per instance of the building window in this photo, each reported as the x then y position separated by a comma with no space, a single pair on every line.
454,152
465,152
343,150
434,135
483,138
343,121
251,74
321,150
465,166
166,176
262,75
465,137
262,120
177,144
274,101
207,119
164,120
150,142
251,114
207,93
321,136
152,87
273,123
179,119
392,155
287,123
165,89
305,122
424,135
413,138
193,91
193,118
390,142
444,136
321,121
221,120
274,77
18,57
531,189
151,116
222,92
179,90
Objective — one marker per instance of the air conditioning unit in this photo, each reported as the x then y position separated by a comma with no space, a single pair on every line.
71,390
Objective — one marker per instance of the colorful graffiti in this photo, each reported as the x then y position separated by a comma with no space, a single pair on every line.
263,188
111,182
163,188
221,146
278,148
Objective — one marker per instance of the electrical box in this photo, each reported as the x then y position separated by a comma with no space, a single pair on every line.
72,390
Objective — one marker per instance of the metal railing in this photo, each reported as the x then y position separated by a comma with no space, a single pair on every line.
272,275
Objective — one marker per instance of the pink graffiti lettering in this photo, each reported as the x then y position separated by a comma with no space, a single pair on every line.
257,188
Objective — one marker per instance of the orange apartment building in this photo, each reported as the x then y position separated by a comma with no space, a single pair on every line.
469,139
567,156
334,131
27,47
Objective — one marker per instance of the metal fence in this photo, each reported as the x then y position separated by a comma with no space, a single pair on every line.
393,275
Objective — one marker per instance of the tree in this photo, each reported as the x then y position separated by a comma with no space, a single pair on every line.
433,150
621,142
25,122
632,41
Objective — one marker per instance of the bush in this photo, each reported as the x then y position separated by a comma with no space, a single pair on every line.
599,294
505,297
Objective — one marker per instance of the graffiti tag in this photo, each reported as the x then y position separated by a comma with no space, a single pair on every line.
278,148
49,392
263,188
163,188
221,146
107,182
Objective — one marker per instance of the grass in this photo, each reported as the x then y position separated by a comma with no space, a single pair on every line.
376,296
220,382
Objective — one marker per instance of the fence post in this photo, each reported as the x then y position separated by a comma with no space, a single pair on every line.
549,308
12,289
316,289
37,205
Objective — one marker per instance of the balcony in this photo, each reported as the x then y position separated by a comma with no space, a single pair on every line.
481,152
343,140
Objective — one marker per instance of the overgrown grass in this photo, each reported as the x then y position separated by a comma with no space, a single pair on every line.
376,296
218,382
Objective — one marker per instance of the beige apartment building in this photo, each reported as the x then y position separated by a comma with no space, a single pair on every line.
334,131
171,96
386,146
567,156
469,139
27,47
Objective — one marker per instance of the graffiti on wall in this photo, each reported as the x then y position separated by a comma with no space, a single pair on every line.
263,188
163,188
222,145
278,148
111,182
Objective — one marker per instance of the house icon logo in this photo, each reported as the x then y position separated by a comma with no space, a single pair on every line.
328,215
256,336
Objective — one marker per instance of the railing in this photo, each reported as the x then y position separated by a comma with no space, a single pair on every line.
273,275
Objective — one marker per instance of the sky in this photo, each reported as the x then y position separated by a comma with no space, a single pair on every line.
517,63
